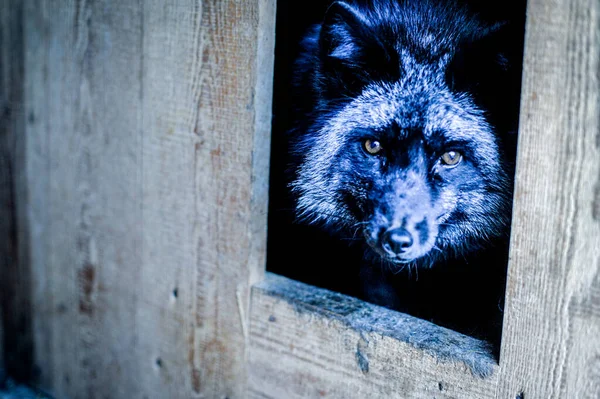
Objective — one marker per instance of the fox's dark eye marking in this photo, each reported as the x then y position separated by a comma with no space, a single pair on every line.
372,147
451,158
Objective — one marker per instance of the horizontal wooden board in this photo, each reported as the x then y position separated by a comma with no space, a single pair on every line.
310,342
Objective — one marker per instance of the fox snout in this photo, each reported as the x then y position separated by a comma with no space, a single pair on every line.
396,242
403,226
405,242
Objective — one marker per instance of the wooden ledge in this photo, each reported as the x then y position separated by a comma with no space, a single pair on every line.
307,341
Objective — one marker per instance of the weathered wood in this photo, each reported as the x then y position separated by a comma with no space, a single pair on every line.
205,140
148,204
84,133
551,341
6,157
143,144
15,278
310,342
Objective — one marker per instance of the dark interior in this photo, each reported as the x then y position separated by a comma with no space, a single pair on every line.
309,255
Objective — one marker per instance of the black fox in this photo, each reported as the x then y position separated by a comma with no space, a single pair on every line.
403,149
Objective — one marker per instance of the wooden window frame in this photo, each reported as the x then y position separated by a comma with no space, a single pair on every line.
137,136
309,342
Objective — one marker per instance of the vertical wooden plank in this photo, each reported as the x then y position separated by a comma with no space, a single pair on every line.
205,155
261,147
36,179
147,165
551,342
82,68
6,157
15,281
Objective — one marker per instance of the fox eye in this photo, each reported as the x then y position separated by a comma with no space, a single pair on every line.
372,147
451,158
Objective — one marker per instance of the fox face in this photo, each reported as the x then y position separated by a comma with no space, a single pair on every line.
400,148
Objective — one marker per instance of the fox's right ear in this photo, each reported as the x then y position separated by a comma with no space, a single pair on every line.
341,33
348,45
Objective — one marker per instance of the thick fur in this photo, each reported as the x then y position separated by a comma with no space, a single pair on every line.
422,78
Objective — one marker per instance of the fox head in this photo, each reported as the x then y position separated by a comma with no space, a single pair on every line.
402,148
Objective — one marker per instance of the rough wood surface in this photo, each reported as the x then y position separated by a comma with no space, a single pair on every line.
147,131
143,141
551,341
307,342
6,160
15,279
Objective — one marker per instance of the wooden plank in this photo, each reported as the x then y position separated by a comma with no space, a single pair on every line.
82,92
15,280
6,158
148,205
310,342
205,156
551,341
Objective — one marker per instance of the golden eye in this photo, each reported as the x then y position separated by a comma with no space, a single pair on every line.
372,147
451,158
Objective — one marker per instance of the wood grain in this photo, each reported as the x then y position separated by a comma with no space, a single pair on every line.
6,161
15,279
148,207
82,90
551,341
134,163
310,342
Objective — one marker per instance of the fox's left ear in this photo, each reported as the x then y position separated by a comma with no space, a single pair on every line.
344,28
348,45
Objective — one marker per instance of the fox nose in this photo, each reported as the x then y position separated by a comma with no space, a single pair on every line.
397,241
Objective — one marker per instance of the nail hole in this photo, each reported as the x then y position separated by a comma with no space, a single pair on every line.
175,293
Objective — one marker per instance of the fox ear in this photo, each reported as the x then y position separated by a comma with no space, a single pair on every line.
341,32
351,49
